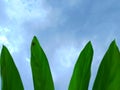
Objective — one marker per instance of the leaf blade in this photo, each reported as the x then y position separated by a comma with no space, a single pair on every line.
81,74
108,76
9,73
42,77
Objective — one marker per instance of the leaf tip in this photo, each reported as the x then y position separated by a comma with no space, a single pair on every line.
4,48
34,37
89,44
34,40
113,43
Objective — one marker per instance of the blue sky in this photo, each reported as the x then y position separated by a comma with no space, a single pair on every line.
63,28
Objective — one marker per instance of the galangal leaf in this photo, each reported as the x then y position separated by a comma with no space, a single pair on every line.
9,74
108,76
42,77
82,70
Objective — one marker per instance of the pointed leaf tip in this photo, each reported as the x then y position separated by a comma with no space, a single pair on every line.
108,76
42,78
4,47
82,70
34,41
9,73
34,38
89,44
113,42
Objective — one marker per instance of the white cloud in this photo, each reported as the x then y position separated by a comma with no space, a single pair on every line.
8,40
28,17
4,40
64,60
66,56
20,11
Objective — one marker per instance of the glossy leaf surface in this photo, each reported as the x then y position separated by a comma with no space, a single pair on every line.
42,77
82,70
9,74
108,76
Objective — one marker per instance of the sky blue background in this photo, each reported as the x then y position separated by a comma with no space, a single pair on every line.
63,27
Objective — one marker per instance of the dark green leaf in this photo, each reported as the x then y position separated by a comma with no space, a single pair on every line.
42,77
108,76
9,73
82,70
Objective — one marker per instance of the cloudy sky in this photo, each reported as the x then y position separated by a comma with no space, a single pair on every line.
63,27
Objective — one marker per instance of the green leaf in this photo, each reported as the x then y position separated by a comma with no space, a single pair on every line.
82,70
9,74
42,77
108,76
